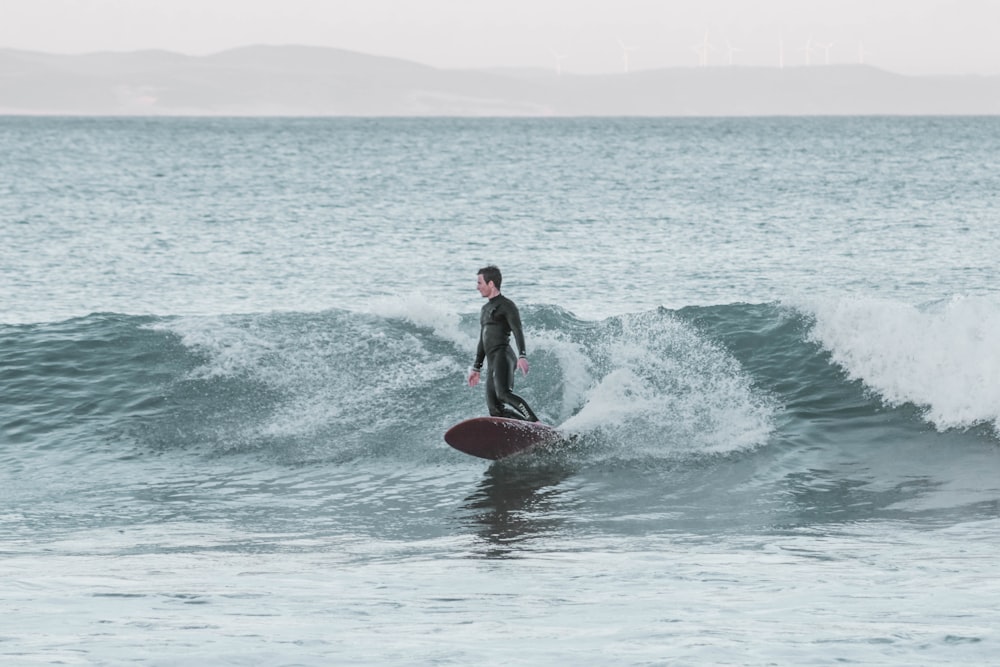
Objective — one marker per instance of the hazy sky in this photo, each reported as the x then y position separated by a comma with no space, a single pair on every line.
905,36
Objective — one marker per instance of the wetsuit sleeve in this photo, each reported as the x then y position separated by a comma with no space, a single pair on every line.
514,321
480,354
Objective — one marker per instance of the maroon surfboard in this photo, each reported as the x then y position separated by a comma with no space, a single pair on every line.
498,437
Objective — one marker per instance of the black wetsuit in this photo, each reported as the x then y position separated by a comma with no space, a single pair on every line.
498,319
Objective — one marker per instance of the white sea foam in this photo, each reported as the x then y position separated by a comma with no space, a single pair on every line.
942,356
444,322
575,367
230,347
333,379
665,390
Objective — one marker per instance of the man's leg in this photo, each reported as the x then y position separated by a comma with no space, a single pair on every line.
503,386
493,404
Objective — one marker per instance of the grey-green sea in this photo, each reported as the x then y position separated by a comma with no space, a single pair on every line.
229,350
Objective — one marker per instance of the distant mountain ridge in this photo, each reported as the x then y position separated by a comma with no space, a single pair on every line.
320,81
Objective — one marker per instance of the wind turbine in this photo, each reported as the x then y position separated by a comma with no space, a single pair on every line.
808,50
625,51
731,49
781,53
826,49
702,50
861,52
559,58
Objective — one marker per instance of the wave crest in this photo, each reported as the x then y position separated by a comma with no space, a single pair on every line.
940,356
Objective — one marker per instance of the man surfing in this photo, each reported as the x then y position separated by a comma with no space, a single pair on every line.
498,319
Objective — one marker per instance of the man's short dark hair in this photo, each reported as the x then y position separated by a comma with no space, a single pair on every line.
491,274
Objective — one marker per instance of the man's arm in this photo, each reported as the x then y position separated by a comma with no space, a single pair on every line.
514,322
477,366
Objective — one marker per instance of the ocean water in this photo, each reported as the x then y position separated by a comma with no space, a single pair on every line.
229,349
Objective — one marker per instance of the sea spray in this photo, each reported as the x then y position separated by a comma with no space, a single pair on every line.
341,384
663,390
941,356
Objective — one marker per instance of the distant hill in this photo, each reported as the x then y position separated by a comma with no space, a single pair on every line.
314,81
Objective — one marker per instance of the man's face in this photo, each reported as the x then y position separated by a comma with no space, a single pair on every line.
483,287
